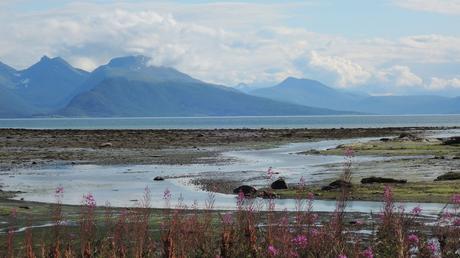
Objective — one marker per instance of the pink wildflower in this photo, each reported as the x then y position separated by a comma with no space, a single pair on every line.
314,232
368,253
446,215
272,250
59,190
167,194
413,239
432,247
416,211
300,241
456,199
342,256
349,152
388,194
457,222
89,200
314,217
270,172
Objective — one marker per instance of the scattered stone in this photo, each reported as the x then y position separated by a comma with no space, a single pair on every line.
451,140
439,157
22,199
158,178
246,190
34,163
279,184
24,207
448,176
337,184
408,136
266,195
384,139
373,179
105,145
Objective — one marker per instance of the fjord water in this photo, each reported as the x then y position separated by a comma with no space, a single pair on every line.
275,122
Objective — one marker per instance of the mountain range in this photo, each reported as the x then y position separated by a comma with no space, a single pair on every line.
129,87
314,93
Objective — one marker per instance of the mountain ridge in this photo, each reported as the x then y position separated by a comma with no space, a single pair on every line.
131,86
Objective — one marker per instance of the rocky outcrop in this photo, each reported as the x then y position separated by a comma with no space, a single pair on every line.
337,184
448,176
279,184
451,140
158,178
385,180
247,190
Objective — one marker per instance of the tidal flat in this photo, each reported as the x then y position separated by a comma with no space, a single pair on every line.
222,159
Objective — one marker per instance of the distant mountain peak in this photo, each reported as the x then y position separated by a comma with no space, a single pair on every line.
44,58
302,83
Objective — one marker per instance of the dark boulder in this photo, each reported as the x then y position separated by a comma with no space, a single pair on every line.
246,190
279,184
373,179
448,176
337,184
158,178
451,140
384,139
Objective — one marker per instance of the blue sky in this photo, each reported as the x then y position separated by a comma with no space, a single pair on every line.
381,47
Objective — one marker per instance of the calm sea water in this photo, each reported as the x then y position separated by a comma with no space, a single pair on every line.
233,122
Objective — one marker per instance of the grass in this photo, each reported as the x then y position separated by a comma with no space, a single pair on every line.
398,148
245,232
411,192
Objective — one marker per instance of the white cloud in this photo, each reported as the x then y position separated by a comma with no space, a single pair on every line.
438,6
347,72
225,43
400,76
440,83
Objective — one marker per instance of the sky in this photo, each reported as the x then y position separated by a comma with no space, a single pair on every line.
381,47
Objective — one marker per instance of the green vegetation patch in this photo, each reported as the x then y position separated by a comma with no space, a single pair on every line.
439,192
398,148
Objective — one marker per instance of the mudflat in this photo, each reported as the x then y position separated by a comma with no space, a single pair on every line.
29,148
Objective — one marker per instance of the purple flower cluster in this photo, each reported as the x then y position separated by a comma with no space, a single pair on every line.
300,241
